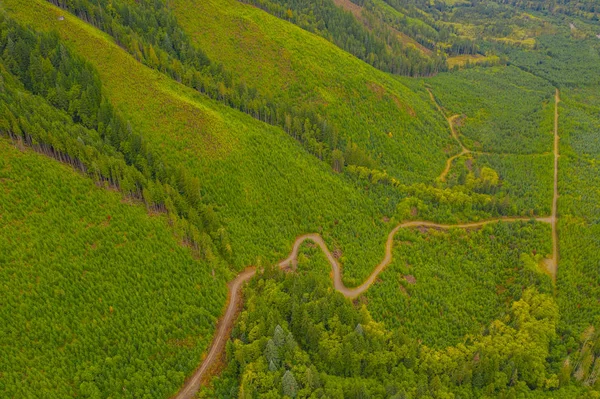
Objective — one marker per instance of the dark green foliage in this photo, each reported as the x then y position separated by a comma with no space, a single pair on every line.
423,28
381,50
340,351
45,67
289,385
95,139
149,31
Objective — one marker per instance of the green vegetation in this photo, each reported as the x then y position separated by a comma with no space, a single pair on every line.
579,228
564,61
299,339
583,8
265,202
96,140
398,127
97,297
445,285
516,119
376,46
152,149
525,181
149,32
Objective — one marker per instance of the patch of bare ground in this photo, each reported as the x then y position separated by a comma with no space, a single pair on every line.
382,93
347,5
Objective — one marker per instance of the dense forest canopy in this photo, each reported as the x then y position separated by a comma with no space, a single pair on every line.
376,46
153,150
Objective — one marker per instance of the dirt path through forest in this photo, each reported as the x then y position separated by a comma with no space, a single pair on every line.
225,324
465,150
291,261
223,328
450,121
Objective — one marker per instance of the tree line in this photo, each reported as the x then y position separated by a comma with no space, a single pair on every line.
425,30
53,101
304,340
148,30
377,46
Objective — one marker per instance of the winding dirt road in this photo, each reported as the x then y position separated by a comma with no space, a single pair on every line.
224,326
463,150
291,261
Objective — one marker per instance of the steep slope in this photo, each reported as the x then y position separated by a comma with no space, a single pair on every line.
398,127
281,59
97,296
267,188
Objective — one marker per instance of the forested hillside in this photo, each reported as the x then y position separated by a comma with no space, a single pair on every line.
97,296
299,199
301,340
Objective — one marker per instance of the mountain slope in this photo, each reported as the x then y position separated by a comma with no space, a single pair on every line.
398,127
102,297
266,187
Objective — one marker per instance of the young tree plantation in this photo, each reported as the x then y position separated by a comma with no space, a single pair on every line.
299,199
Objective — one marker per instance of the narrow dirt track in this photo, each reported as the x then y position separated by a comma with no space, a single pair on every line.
450,122
464,150
218,345
449,162
191,386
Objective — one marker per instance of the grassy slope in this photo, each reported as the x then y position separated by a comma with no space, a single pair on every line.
268,189
398,126
95,284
